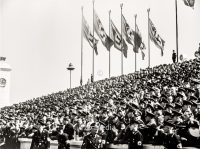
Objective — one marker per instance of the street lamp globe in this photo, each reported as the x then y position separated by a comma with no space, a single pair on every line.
70,67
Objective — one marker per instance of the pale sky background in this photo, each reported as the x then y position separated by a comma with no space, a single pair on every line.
41,37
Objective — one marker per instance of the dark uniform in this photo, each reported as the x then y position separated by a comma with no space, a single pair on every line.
11,141
40,141
69,130
172,141
174,57
135,140
62,141
91,142
191,140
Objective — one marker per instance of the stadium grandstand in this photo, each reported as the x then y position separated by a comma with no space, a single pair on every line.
154,97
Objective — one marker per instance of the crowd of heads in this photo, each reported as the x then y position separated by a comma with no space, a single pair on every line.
165,95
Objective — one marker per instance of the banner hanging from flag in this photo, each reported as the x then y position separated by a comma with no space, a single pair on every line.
88,35
99,29
189,3
118,42
155,37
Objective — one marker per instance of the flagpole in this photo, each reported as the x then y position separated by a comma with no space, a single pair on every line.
176,29
81,47
109,50
93,44
148,10
121,5
135,51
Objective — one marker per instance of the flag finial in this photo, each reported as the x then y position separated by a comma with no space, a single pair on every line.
121,5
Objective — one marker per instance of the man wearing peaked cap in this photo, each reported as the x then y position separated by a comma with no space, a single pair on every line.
68,128
167,115
190,90
142,104
133,136
164,100
92,140
151,124
150,108
195,81
186,105
163,95
179,95
178,106
138,115
40,139
62,138
176,117
193,98
171,140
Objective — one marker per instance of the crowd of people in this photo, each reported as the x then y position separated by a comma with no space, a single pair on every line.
160,102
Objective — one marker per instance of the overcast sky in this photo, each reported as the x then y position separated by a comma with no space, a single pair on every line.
41,37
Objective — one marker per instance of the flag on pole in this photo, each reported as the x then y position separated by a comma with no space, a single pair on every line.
189,3
99,29
88,35
138,39
155,37
127,32
130,35
142,45
116,37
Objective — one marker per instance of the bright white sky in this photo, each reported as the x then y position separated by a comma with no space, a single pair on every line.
41,37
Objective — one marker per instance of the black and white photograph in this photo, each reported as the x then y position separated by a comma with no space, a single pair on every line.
99,74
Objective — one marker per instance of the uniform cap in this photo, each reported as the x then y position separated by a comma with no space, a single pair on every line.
169,105
167,113
181,89
150,106
178,105
195,81
179,95
159,107
133,121
169,123
190,90
94,125
193,98
186,102
176,113
41,122
150,114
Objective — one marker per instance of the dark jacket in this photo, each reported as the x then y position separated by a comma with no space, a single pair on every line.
40,140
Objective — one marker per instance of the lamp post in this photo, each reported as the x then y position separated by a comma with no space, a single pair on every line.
70,68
